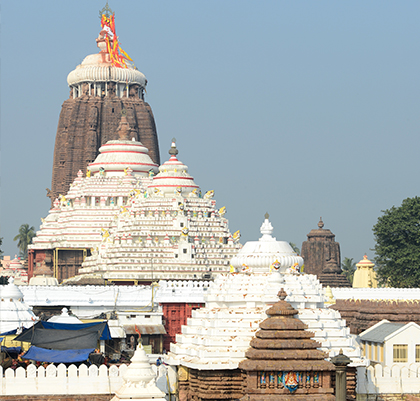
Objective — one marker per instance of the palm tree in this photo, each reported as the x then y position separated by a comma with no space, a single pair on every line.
25,236
348,267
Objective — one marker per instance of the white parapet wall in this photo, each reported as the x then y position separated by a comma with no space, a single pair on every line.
74,380
61,380
396,379
376,293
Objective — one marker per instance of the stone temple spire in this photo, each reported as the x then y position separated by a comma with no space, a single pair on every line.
99,91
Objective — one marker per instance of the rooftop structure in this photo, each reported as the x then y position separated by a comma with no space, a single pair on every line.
218,335
79,220
14,312
168,231
43,275
139,380
101,87
365,276
283,359
15,268
319,250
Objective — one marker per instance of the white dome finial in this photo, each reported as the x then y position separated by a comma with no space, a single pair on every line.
266,228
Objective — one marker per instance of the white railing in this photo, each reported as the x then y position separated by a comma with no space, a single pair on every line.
396,379
62,380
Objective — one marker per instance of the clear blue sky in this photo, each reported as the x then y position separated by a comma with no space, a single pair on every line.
299,108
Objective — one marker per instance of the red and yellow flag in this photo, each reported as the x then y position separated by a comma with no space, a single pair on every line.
113,47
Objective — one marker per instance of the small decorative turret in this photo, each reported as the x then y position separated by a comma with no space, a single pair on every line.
139,380
365,276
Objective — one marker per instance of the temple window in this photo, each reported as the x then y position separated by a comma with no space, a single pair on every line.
400,353
417,352
181,224
184,250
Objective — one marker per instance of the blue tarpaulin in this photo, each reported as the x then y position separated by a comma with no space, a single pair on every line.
6,333
17,350
55,356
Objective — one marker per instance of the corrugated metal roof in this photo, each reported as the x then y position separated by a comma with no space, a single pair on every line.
378,334
151,329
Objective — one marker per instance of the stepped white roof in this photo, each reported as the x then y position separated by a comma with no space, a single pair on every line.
167,232
80,218
217,336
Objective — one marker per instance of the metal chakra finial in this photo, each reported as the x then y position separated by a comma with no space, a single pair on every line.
106,10
282,294
266,216
173,151
321,223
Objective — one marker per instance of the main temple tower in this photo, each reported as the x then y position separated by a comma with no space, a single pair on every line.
102,86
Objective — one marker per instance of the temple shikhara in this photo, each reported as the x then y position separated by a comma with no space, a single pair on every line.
103,85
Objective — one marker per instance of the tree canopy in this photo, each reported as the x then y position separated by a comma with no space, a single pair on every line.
348,267
25,236
295,248
397,236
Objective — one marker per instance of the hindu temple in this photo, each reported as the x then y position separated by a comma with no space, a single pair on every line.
79,219
217,337
322,257
169,230
103,85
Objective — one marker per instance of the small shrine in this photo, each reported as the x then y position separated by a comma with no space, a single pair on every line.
322,257
15,314
139,380
43,275
365,276
332,275
283,360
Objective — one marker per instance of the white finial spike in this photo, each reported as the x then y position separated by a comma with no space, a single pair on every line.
266,228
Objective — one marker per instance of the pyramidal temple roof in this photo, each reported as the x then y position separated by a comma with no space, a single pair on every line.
168,231
218,335
79,218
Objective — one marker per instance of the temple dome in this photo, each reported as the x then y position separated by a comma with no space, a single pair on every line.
260,255
13,311
99,68
93,70
173,175
16,264
116,156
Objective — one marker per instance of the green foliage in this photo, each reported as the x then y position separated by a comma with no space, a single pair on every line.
348,267
1,242
397,235
295,248
4,280
25,236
